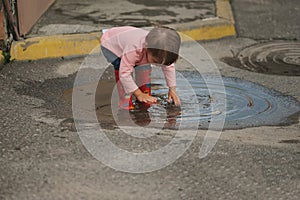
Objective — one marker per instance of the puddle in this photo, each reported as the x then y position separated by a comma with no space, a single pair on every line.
247,105
280,57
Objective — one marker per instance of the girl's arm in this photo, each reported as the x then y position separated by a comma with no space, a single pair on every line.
170,75
128,61
172,95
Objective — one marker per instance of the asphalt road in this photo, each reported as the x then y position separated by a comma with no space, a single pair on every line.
267,19
42,158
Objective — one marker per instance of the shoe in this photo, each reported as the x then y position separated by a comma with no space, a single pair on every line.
126,104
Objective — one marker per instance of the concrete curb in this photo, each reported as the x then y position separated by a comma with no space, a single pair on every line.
1,58
54,46
82,44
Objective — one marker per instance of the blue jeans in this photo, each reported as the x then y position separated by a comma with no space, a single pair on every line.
111,58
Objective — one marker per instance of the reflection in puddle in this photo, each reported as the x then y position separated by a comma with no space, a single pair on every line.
247,104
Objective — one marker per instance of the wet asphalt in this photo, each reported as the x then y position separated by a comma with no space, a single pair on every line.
42,157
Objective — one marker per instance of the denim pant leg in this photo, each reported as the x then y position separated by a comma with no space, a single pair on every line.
111,58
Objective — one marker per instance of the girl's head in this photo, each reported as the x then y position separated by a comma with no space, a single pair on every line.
162,44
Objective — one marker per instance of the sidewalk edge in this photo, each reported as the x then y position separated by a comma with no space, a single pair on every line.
1,57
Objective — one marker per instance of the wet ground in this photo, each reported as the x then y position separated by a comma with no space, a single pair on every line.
73,16
44,157
40,158
247,104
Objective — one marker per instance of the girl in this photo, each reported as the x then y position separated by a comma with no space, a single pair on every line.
129,48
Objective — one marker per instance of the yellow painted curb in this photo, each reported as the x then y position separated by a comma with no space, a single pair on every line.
213,29
209,33
210,29
54,46
1,58
82,44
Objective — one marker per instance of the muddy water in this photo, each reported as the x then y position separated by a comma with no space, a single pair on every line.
247,104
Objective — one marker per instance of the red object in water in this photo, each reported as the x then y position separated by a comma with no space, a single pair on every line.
125,100
143,80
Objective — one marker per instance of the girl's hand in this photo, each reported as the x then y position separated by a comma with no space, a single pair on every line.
145,98
173,95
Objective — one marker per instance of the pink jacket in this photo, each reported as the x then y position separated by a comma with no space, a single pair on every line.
128,43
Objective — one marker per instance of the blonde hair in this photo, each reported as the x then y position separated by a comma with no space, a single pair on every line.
163,43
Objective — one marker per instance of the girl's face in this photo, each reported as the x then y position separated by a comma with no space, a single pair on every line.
151,59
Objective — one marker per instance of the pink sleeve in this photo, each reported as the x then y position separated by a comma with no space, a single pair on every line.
127,64
170,75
